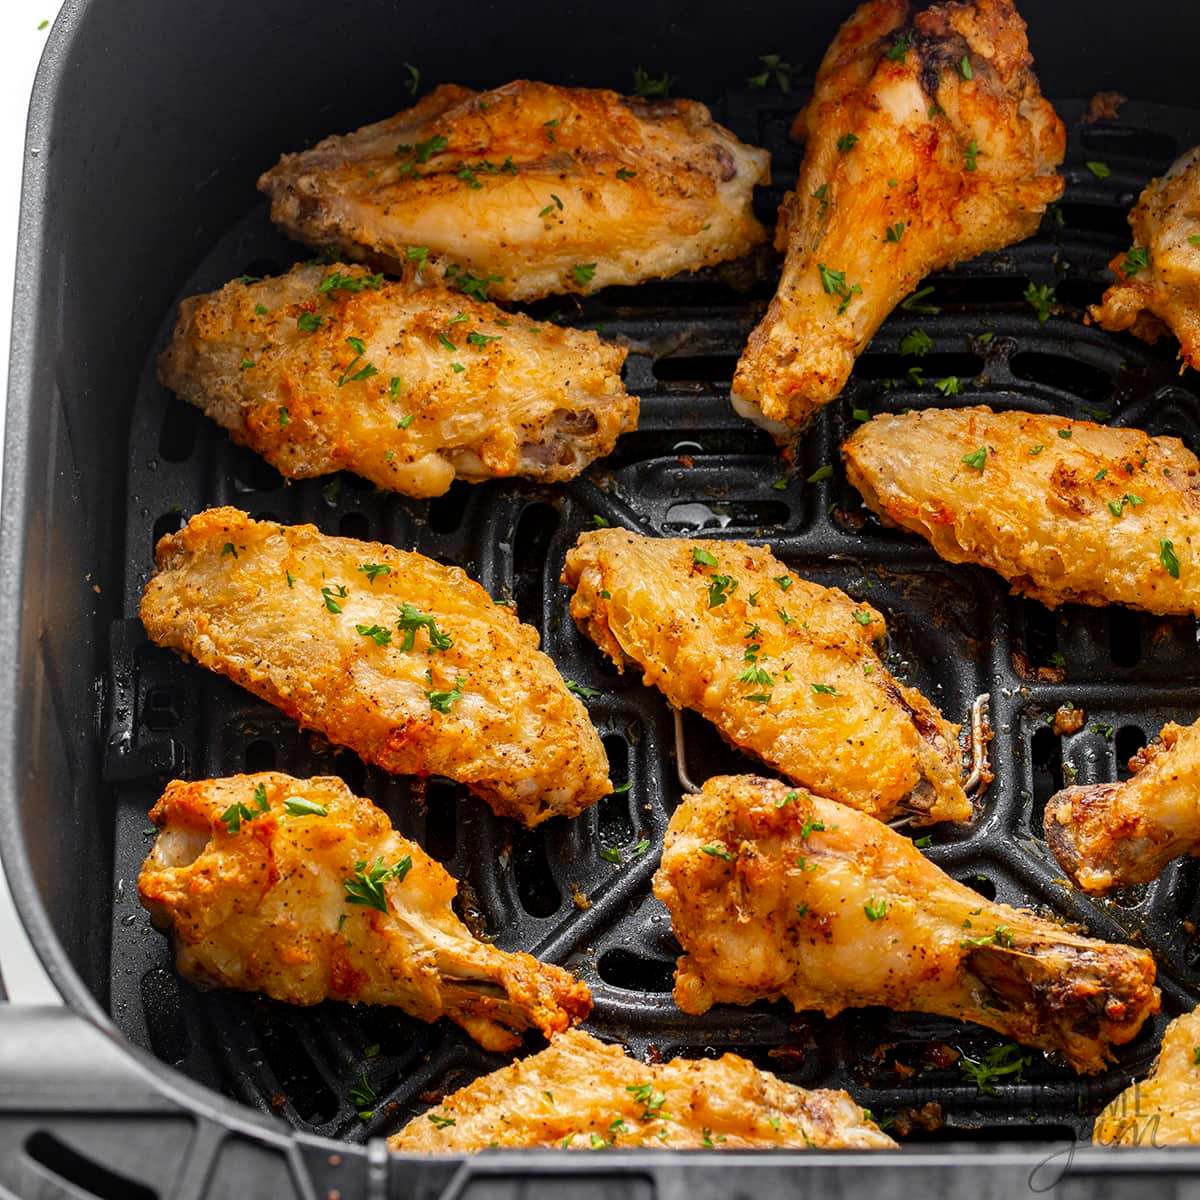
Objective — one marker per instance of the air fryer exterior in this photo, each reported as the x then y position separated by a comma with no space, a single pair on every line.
150,122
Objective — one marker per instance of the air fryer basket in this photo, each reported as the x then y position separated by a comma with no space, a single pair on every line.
692,467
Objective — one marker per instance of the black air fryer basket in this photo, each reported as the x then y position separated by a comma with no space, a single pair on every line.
150,122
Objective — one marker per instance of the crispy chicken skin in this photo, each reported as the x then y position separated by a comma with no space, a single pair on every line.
775,894
909,167
262,903
533,189
783,667
1067,511
293,616
410,386
1158,280
1163,1109
580,1094
1107,835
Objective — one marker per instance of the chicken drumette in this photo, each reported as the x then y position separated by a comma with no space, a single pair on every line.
928,142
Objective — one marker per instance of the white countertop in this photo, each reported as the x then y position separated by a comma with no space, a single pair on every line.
21,42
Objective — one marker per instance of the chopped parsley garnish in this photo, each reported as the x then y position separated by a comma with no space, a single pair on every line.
583,272
916,342
784,581
923,843
237,813
471,285
1137,259
894,232
876,910
1040,297
229,548
756,674
834,283
424,151
715,851
624,173
580,690
702,557
1117,507
261,309
362,1096
847,142
912,305
976,459
1101,170
481,339
246,364
373,570
365,886
359,347
861,415
337,282
441,1122
416,254
862,617
300,806
413,83
405,421
964,67
446,342
645,84
810,826
821,473
900,47
285,418
442,701
774,68
971,155
412,619
821,195
720,588
598,521
468,177
824,689
1168,558
1065,434
309,322
377,633
951,385
997,1063
332,595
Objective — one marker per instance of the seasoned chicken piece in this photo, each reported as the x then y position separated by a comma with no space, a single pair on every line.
407,662
302,890
529,189
928,142
1067,511
783,667
410,386
1164,1109
579,1094
775,894
1107,835
1158,279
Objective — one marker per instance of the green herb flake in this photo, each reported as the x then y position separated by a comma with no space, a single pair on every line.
876,910
377,633
1137,259
821,474
964,67
365,886
301,806
1101,170
976,459
713,850
1168,558
847,142
894,232
582,691
583,273
1041,298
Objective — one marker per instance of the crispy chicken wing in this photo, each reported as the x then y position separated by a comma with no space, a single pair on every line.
1066,511
775,893
579,1094
1164,1109
1158,280
1108,835
302,890
529,189
410,386
406,661
928,142
783,667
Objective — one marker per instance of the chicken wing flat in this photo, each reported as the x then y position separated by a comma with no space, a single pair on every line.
783,667
580,1094
1107,835
302,890
408,662
1066,511
529,189
1163,1109
1158,279
775,894
928,142
410,386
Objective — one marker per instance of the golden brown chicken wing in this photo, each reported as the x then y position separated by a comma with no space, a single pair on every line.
302,890
529,189
1158,278
928,142
775,893
579,1094
1164,1109
407,662
1107,835
410,386
783,667
1067,511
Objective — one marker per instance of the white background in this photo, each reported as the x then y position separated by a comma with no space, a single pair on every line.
21,43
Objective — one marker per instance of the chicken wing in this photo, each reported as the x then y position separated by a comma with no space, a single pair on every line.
775,893
302,890
1066,511
928,142
410,386
1107,835
783,667
1158,279
1164,1109
408,662
579,1094
529,189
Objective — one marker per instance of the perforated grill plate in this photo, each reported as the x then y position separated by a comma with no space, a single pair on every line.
692,467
